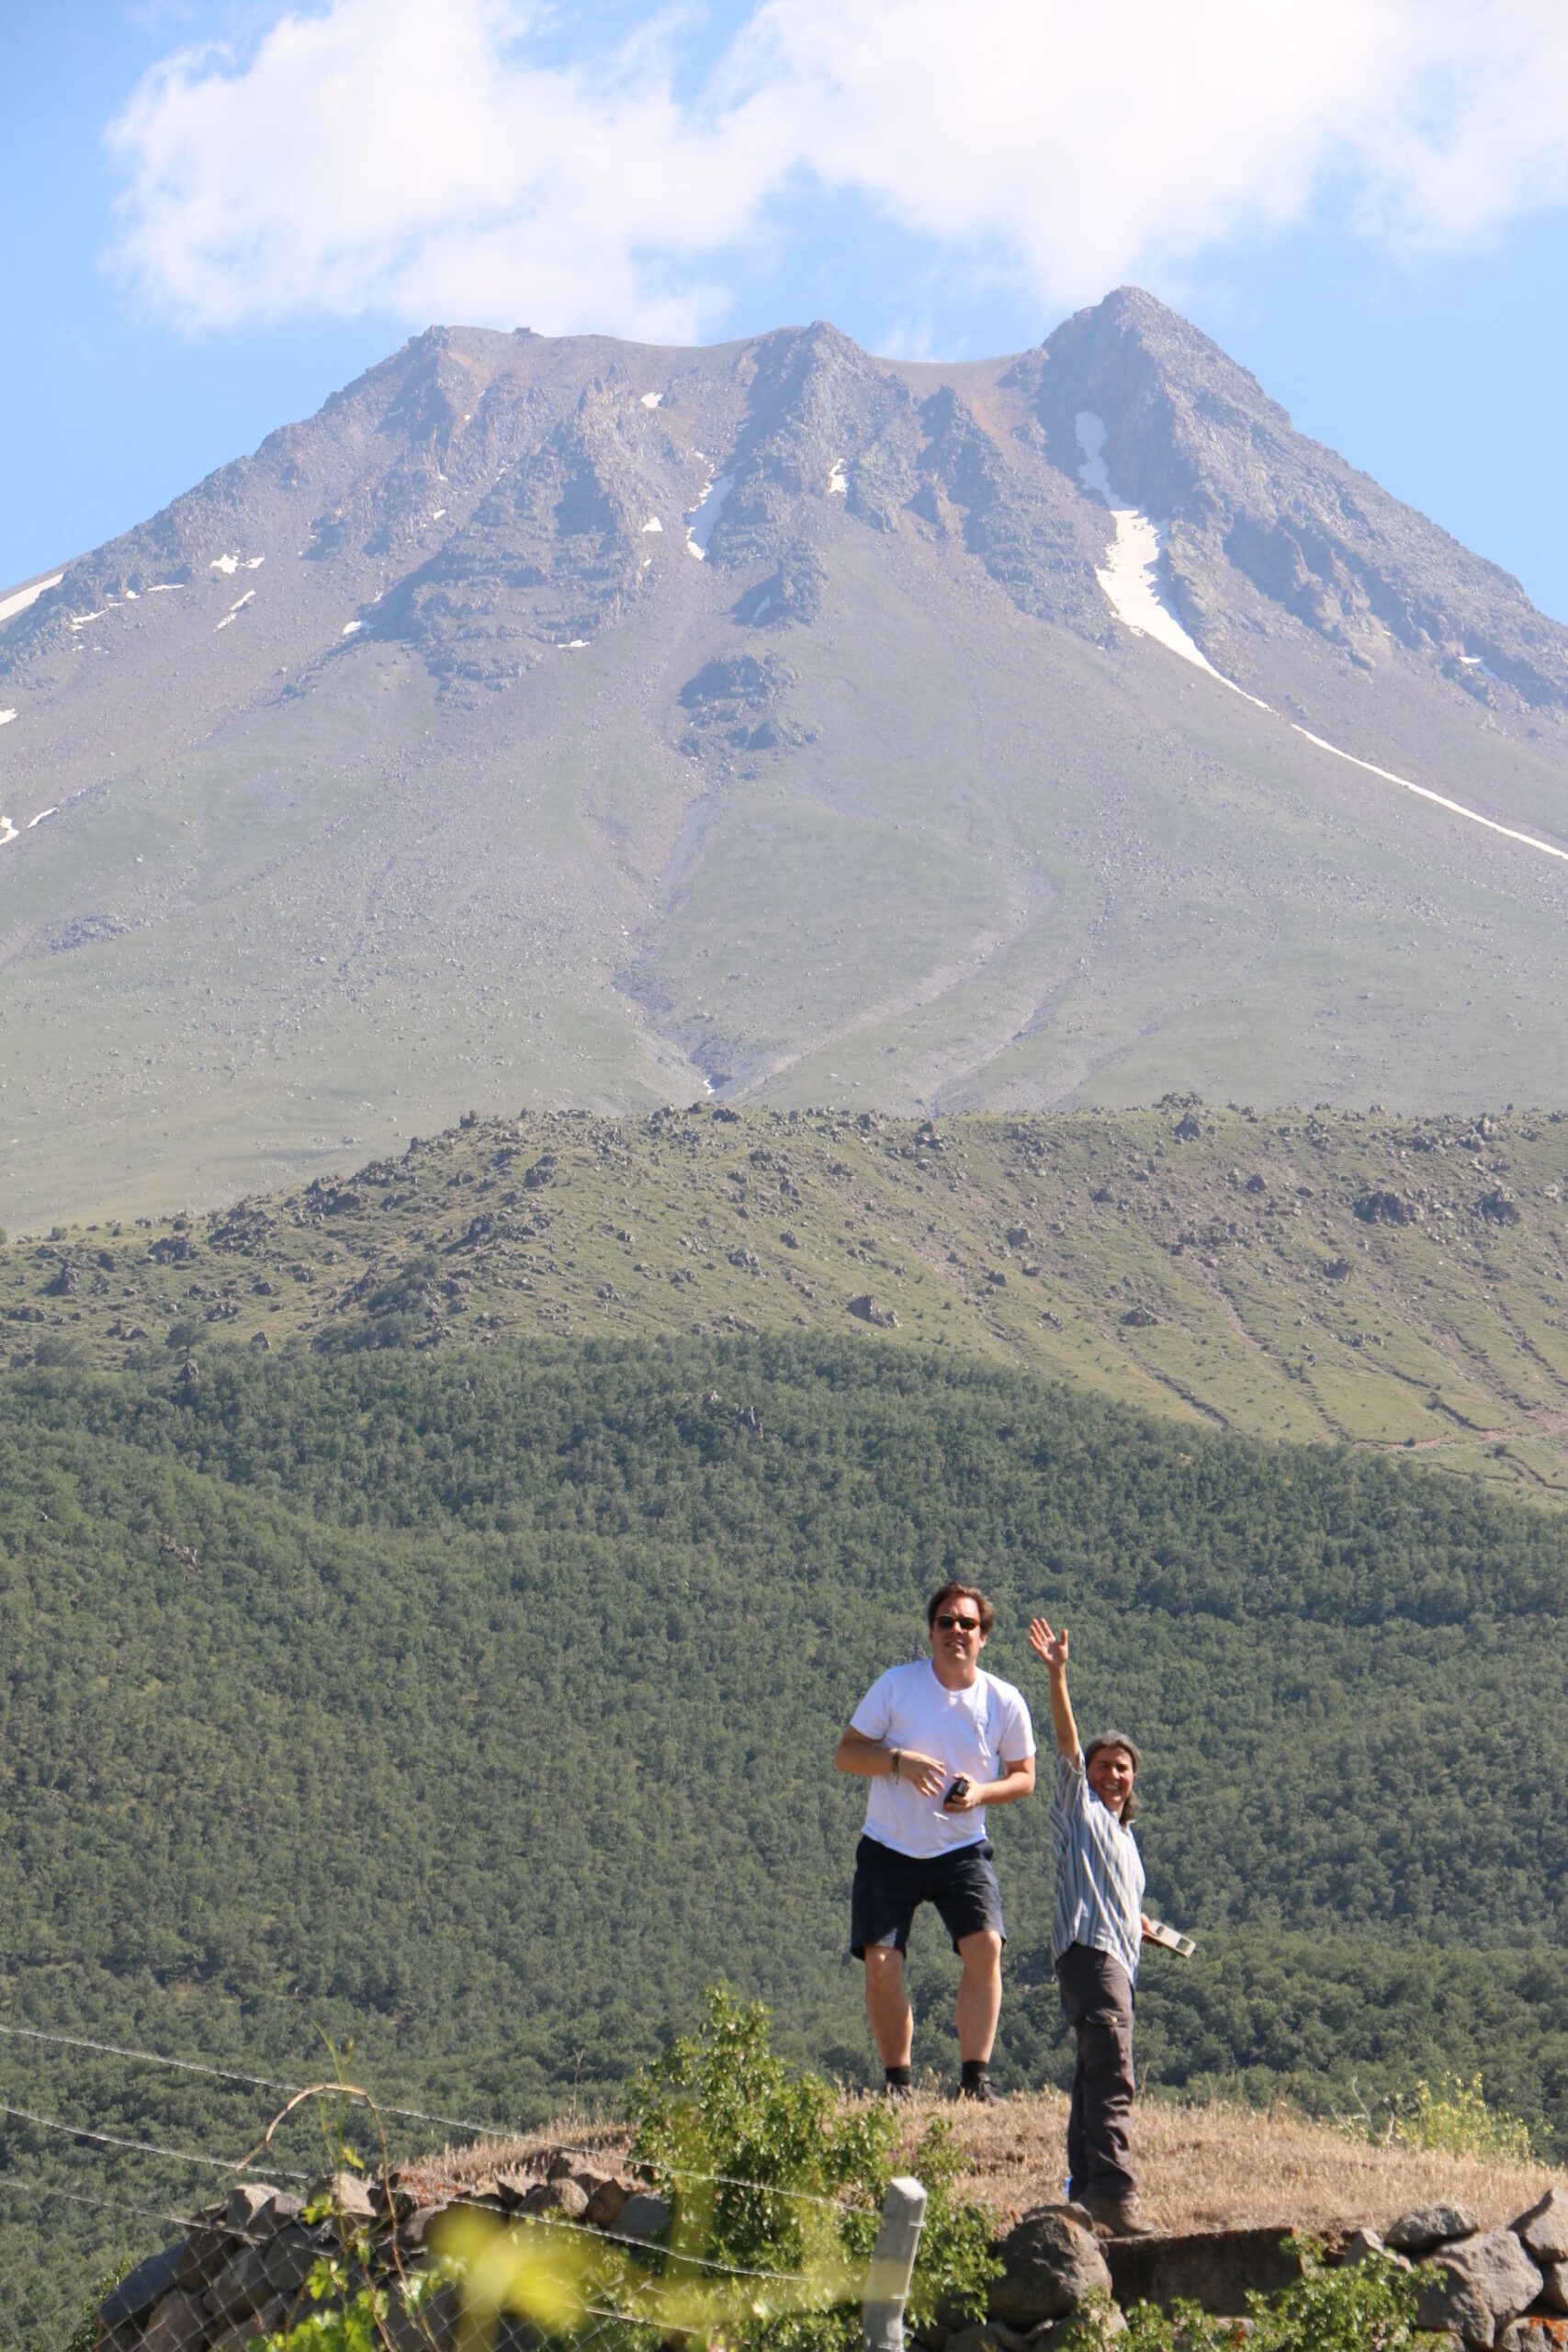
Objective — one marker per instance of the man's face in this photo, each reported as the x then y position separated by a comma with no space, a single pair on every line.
956,1638
1111,1775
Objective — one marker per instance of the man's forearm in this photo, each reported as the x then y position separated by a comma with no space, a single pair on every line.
1062,1722
868,1759
1017,1780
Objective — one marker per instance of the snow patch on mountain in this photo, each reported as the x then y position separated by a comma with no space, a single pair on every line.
1440,799
20,598
1130,578
706,513
7,717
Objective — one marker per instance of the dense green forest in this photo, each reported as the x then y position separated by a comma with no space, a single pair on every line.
479,1707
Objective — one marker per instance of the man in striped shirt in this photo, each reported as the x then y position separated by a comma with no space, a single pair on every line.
1097,1930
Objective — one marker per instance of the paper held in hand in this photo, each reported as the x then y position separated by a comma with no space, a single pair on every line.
1157,1932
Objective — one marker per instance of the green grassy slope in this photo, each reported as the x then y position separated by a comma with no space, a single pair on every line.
1227,1270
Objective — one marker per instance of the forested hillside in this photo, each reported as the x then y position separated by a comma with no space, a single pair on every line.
480,1706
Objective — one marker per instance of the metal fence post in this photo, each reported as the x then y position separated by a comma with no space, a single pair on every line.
892,2266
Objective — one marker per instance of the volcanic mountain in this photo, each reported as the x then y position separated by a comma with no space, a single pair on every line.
580,722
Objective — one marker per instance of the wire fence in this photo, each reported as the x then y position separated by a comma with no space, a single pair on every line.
52,2270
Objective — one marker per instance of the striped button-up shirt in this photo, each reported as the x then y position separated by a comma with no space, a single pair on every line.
1099,1872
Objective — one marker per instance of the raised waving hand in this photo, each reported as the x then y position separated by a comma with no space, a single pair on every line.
1052,1648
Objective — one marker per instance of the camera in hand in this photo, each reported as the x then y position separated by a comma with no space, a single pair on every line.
959,1789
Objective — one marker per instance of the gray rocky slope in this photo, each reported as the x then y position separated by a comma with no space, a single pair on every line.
417,762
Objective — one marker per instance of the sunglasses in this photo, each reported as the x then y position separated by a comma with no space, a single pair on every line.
951,1624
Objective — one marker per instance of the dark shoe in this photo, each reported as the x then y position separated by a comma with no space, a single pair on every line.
981,2093
1117,2215
900,2093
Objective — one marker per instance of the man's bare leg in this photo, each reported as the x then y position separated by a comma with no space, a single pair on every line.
979,2002
887,2005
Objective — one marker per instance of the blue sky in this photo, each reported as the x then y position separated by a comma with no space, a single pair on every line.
220,214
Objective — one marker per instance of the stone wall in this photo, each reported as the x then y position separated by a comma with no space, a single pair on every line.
1489,2290
242,2271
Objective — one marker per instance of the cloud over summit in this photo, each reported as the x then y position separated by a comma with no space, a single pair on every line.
453,162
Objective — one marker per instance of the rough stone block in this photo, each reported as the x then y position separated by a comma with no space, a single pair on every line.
1079,2331
606,2205
1426,2227
416,2227
1477,2285
1365,2246
433,2328
249,2200
203,2256
141,2288
980,2337
178,2324
1543,2231
644,2216
241,2288
289,2257
282,2207
1215,2268
1533,2334
242,2332
1554,2286
346,2194
1050,2262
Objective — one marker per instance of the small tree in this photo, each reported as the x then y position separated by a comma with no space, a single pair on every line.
754,2156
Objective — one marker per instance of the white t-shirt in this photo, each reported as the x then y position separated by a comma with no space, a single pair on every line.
973,1731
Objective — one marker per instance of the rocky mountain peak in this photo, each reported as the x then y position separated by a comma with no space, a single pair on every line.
615,717
1270,529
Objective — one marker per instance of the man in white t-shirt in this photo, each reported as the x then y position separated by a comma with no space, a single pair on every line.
938,1741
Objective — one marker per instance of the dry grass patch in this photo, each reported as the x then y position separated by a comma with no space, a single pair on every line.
1209,2167
1223,2166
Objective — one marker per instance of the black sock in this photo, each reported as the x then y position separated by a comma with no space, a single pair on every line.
898,2078
975,2070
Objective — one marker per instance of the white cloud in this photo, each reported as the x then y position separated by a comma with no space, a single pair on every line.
435,163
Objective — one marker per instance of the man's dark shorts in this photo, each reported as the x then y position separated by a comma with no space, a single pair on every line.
889,1889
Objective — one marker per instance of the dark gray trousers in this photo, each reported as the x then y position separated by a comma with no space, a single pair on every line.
1098,1998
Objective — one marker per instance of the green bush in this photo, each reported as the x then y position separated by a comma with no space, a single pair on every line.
1456,2117
721,2103
1371,2308
1453,2115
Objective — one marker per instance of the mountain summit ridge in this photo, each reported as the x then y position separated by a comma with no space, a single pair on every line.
575,720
